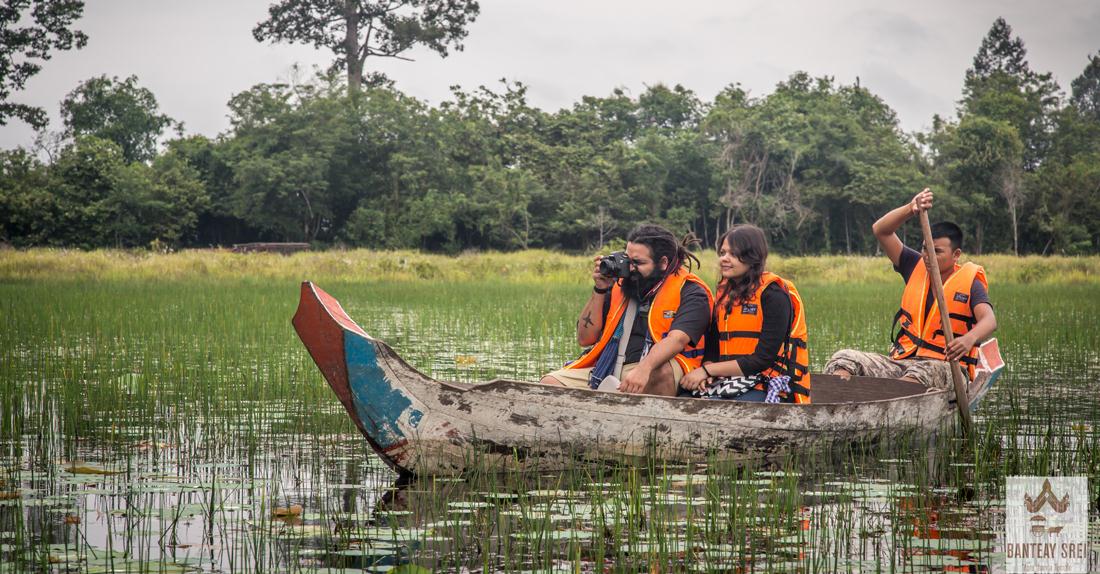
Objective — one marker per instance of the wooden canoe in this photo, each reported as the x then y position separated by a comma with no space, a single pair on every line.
419,425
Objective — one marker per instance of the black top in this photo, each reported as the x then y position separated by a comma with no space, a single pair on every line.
909,260
773,332
692,317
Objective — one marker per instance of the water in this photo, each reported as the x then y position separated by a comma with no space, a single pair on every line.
171,427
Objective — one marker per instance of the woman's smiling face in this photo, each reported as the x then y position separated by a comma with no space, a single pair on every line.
729,266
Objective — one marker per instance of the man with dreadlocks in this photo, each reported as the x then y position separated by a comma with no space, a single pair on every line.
648,328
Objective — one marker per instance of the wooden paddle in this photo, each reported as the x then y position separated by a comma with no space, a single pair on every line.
937,289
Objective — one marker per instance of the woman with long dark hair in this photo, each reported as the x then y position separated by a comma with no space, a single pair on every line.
756,344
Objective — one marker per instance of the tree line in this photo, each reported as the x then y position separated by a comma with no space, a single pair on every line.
814,163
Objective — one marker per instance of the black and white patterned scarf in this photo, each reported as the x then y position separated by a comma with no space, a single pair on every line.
727,387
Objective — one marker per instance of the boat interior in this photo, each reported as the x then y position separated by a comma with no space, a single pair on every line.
826,389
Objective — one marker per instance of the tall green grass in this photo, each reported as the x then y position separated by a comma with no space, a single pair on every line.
197,393
532,266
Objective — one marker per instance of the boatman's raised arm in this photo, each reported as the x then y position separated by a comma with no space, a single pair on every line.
590,323
886,228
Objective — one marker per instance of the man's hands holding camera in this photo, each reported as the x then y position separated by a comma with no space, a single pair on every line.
610,268
601,282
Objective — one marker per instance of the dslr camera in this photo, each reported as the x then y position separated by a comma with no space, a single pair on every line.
616,265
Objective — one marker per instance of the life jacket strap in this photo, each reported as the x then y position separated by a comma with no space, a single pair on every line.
921,343
896,337
970,321
939,333
788,363
727,335
798,388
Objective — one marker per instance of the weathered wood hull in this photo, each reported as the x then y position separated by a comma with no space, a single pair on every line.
422,426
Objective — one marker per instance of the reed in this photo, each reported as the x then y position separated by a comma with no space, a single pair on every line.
175,416
526,267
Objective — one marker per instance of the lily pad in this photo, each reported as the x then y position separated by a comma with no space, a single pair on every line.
757,482
655,546
469,505
379,514
936,560
303,531
88,468
36,502
446,524
409,569
403,534
694,478
944,544
124,566
500,496
367,551
554,535
70,557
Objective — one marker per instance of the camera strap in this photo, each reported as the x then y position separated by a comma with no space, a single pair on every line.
624,339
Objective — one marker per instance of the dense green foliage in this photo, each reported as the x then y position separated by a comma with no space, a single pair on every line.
814,162
30,30
119,111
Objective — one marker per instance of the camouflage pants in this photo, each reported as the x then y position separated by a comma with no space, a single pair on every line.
932,373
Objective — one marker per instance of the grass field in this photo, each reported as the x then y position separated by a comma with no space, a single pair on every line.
158,414
533,266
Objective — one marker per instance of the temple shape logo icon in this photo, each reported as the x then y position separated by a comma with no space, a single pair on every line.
1046,497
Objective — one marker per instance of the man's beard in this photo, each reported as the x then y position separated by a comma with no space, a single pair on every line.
637,287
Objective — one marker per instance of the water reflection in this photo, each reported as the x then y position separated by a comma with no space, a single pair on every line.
217,427
221,515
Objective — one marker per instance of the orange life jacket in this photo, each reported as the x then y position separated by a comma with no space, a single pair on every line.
922,336
661,313
739,333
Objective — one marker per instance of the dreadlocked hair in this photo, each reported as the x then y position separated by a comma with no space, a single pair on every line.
662,243
748,244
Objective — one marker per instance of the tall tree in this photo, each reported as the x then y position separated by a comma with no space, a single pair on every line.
1066,214
982,158
119,111
671,108
24,47
355,30
999,53
1086,89
287,157
1001,86
85,174
28,206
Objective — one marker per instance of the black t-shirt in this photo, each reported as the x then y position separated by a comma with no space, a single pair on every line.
692,317
773,332
909,260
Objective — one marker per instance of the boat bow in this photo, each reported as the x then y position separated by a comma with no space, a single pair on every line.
345,353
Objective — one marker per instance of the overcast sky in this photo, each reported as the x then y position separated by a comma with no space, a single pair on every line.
195,54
